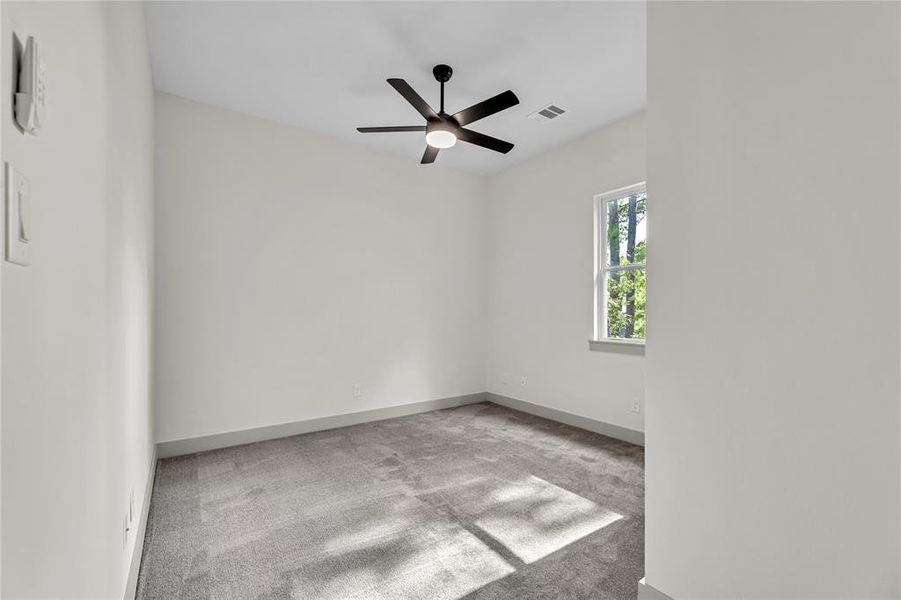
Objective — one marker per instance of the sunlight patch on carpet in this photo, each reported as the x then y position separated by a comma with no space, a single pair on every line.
534,518
439,561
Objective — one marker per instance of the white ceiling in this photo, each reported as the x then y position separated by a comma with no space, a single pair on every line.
322,66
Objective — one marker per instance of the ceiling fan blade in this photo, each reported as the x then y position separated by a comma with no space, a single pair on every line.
413,98
429,155
391,129
485,141
486,108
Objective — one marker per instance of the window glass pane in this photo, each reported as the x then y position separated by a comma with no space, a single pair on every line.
626,299
626,229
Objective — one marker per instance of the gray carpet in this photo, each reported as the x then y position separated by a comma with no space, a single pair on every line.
477,502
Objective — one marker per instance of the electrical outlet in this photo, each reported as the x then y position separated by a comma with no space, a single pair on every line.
636,404
522,382
358,391
505,379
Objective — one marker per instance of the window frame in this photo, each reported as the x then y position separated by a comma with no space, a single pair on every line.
601,268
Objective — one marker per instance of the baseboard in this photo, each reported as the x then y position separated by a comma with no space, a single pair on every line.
615,431
258,434
131,584
270,432
647,592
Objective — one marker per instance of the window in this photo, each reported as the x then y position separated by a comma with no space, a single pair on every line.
621,247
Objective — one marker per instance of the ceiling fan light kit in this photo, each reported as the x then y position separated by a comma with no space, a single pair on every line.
443,130
440,137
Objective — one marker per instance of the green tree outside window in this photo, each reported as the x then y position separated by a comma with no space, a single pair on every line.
626,244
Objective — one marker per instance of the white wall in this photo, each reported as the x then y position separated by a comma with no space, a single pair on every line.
772,364
76,427
291,266
541,278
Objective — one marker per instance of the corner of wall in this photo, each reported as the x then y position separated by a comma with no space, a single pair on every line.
89,282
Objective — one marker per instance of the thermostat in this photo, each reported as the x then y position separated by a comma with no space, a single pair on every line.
31,92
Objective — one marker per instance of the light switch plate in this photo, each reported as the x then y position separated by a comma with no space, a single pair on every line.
18,211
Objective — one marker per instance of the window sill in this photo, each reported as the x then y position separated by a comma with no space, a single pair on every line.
621,346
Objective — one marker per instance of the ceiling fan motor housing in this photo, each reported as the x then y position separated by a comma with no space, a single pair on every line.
448,123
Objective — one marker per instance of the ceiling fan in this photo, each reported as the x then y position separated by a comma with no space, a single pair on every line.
443,130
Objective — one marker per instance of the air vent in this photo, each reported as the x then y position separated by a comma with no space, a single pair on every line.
547,113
